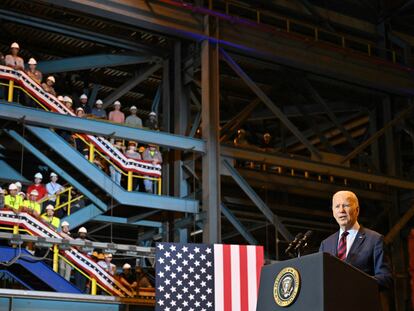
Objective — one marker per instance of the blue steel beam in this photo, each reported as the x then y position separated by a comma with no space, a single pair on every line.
82,216
130,84
9,174
94,127
93,61
77,32
267,212
238,225
124,221
16,136
103,181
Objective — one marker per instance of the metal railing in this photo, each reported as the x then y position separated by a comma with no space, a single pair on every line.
129,175
92,150
63,199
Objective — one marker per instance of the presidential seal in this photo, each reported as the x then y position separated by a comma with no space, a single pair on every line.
286,287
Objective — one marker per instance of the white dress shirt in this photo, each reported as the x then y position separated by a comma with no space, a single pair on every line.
350,238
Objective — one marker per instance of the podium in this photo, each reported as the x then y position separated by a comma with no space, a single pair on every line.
316,282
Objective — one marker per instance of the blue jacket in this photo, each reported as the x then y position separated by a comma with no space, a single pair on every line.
366,254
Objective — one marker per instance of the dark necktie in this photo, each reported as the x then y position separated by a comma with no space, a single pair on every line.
342,246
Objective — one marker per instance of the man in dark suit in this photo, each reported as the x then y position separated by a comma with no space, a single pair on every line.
356,245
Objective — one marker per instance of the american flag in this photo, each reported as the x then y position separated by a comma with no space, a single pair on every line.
203,277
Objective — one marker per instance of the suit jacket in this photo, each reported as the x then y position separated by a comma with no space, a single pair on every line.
366,254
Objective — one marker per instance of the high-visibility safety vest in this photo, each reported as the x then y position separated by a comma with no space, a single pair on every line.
54,221
33,205
13,202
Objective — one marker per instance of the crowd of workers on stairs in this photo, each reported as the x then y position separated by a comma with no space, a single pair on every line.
39,200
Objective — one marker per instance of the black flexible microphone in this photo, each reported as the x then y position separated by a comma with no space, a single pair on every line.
303,242
294,243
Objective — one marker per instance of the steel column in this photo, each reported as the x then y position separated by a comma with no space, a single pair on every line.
210,116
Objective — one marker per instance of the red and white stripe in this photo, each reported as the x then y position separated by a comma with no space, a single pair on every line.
237,276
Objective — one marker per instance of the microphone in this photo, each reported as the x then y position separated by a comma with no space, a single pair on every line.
303,242
294,242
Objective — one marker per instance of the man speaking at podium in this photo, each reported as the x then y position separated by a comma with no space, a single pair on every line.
354,244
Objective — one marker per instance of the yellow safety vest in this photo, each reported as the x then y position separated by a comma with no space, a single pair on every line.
14,202
33,205
54,221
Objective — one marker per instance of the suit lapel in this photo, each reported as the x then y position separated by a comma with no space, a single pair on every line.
335,244
359,240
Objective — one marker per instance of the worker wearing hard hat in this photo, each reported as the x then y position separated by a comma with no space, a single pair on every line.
32,72
19,189
83,103
106,264
128,277
133,120
117,115
31,205
12,200
80,280
68,102
48,85
50,218
65,269
13,60
38,177
54,189
98,111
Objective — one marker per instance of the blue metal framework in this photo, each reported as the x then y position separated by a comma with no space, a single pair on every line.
93,61
56,168
103,181
94,127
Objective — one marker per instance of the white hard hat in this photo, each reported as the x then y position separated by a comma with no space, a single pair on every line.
34,192
15,45
12,187
53,174
60,98
79,109
117,103
82,230
18,184
65,223
83,96
50,206
38,175
108,255
51,78
67,99
32,61
1,191
126,266
99,102
133,108
152,113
